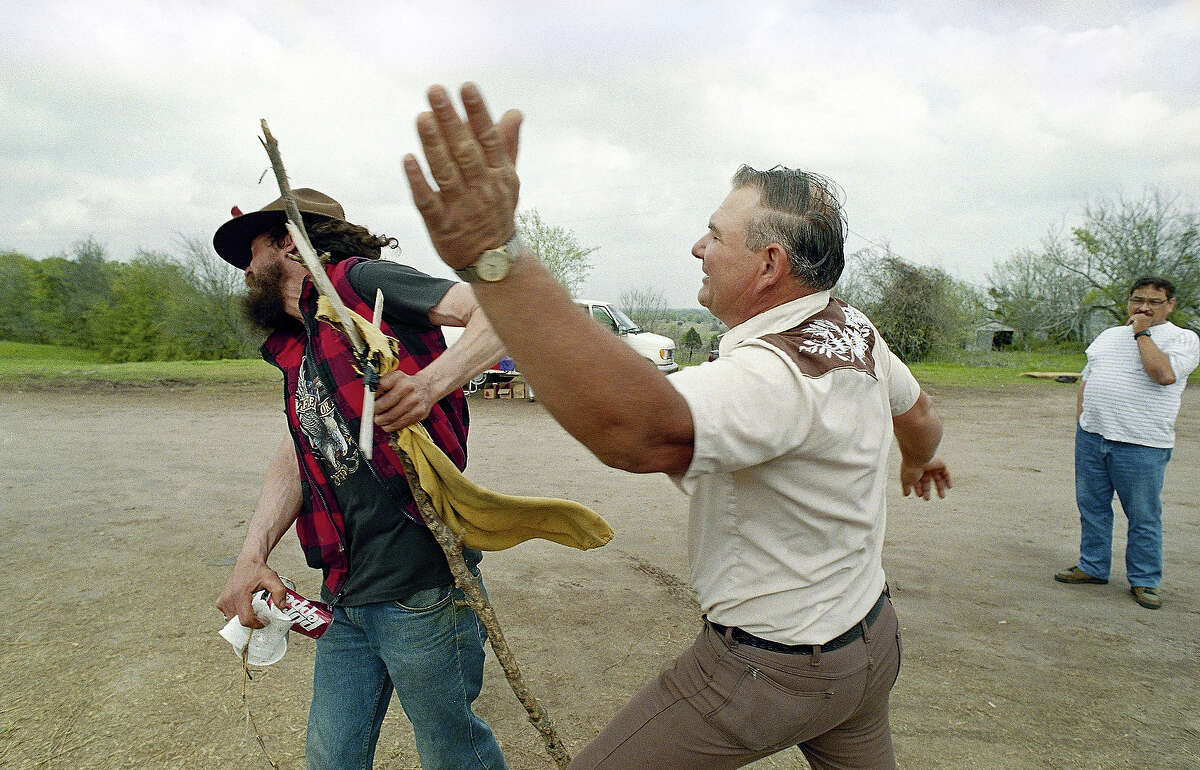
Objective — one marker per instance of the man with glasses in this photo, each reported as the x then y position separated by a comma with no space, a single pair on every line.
1128,400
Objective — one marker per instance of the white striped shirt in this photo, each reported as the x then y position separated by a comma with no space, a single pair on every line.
1120,401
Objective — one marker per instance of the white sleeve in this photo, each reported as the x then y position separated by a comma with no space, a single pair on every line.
903,389
1184,356
747,408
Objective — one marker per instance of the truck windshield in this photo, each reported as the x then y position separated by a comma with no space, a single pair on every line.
624,323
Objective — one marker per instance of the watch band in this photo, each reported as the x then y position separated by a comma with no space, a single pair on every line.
493,264
1142,333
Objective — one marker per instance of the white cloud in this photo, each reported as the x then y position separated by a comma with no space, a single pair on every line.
958,132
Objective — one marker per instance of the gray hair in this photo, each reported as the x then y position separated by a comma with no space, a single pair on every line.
804,216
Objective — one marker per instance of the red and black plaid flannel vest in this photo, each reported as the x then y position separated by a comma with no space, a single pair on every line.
320,525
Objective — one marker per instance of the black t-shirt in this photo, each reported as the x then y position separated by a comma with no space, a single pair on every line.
408,294
390,557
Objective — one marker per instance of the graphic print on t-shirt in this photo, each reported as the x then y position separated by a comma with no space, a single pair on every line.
324,427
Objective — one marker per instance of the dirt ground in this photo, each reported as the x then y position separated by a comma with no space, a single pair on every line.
123,510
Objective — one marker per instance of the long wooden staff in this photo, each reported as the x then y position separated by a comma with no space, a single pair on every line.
450,543
341,314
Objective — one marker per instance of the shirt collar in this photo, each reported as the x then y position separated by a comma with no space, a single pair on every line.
776,319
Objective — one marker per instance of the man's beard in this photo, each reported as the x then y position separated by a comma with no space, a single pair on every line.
263,304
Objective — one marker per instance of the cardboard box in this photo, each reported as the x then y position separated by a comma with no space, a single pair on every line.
518,390
504,391
489,391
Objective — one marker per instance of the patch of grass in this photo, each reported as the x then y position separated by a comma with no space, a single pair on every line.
34,365
32,352
1003,368
993,369
26,364
996,368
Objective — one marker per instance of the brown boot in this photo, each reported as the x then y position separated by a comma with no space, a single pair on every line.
1146,596
1076,575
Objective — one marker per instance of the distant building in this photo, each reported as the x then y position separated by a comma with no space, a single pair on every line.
992,335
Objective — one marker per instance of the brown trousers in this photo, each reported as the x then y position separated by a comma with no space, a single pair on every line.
722,704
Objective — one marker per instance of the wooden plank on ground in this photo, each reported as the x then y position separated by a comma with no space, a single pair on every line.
1056,376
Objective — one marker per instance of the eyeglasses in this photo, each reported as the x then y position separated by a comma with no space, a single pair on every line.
1147,301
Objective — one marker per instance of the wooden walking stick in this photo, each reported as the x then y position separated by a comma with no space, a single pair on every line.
450,543
313,263
452,546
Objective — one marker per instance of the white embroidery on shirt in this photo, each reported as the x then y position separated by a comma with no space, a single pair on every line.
849,343
835,338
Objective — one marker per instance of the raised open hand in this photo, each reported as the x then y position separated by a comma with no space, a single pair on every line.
472,209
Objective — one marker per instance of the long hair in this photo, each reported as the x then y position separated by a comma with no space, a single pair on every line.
339,239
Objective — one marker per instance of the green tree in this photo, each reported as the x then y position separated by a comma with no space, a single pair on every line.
920,311
557,248
49,296
1085,277
153,307
140,321
218,328
51,300
1039,298
1123,239
691,342
18,275
86,286
164,309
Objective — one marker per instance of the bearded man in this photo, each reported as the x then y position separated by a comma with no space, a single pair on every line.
399,623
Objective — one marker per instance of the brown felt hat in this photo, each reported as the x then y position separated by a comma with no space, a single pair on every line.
232,239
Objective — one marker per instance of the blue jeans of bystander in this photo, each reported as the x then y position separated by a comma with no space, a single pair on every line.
1135,473
429,649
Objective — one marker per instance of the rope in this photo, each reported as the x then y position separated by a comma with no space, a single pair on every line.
246,704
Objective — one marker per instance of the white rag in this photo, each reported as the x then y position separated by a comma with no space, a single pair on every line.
267,645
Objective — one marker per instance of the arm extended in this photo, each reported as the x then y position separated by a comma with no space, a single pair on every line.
403,399
629,416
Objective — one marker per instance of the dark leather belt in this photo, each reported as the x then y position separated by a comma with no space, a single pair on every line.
855,632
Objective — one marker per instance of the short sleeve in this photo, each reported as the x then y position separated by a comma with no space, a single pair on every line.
408,294
1186,355
902,388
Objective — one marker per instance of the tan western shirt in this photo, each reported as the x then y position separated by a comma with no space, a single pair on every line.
792,432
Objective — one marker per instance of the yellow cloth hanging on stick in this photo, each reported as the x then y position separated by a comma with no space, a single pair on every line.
491,521
484,519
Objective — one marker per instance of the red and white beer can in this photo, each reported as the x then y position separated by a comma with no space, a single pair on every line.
308,617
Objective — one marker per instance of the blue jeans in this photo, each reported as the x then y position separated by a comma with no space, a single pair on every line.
1135,473
429,650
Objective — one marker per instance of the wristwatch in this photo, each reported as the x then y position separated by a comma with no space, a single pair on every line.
1142,333
493,265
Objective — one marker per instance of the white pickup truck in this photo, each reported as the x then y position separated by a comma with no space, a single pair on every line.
655,348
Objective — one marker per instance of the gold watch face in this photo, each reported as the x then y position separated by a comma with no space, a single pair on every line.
492,266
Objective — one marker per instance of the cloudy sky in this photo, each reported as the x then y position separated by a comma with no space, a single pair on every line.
960,131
